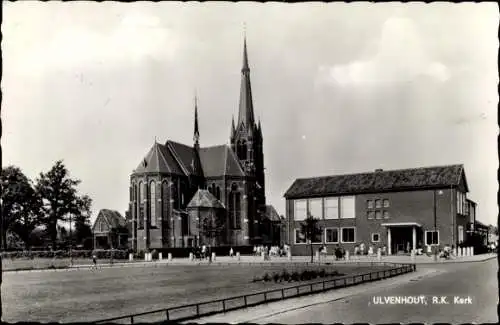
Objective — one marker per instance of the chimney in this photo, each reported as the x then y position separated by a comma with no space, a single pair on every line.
379,170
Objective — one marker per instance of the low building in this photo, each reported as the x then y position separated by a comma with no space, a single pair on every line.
397,209
110,230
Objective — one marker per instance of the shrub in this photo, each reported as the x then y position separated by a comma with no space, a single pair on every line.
276,277
295,276
266,278
322,273
285,276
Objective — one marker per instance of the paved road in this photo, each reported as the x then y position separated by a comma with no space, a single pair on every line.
475,280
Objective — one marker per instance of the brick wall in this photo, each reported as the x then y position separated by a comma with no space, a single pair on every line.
408,206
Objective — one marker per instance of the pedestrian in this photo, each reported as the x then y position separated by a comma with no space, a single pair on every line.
231,252
94,261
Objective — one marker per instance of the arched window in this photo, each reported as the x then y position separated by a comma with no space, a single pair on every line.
217,192
140,204
175,196
242,150
234,206
165,199
152,203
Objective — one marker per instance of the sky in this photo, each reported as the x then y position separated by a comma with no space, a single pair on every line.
339,88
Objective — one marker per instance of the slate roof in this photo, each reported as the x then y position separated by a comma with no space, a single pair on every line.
220,160
204,199
159,160
378,181
177,158
112,217
272,214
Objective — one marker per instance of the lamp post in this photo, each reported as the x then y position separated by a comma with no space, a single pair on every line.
70,242
435,227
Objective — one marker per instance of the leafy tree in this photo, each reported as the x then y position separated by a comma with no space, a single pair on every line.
20,204
311,230
59,195
212,228
81,218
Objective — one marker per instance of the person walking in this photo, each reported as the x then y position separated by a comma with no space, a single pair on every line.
231,252
94,262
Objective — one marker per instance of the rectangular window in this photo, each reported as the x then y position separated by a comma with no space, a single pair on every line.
299,237
386,203
378,214
315,208
386,214
432,237
347,207
331,208
460,234
300,211
375,238
348,235
331,235
371,214
369,204
378,204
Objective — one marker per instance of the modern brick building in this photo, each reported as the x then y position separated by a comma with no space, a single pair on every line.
166,180
397,209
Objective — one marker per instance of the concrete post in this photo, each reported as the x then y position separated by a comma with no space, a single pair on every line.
317,256
413,255
472,251
347,255
379,254
389,249
191,257
213,257
238,256
263,255
169,257
455,251
460,251
289,256
131,257
160,256
414,238
146,257
468,251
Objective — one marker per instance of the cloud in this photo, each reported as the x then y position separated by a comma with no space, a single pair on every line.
131,38
400,57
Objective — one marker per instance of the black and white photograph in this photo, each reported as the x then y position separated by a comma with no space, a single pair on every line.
247,162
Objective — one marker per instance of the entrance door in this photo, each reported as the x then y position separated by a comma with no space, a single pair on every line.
402,240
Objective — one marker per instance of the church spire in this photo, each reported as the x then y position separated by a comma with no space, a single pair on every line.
196,136
245,114
233,129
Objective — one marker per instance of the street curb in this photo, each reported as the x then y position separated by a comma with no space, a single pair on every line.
157,264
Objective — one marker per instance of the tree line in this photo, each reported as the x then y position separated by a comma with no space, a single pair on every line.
50,198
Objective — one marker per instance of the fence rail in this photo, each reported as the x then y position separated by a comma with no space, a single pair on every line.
196,310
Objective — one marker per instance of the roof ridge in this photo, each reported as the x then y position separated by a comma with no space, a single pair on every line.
382,171
176,157
162,147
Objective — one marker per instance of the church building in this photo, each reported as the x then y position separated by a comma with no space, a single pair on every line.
176,187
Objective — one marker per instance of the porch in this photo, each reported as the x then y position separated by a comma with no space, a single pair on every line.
403,237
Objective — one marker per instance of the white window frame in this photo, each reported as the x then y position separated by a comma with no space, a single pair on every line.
383,214
460,234
375,203
380,213
295,214
338,235
388,203
295,237
327,208
320,200
342,235
368,215
341,201
438,237
375,241
372,204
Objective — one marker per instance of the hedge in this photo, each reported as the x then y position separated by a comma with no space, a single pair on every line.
100,254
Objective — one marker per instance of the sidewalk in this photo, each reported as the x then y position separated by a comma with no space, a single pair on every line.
226,260
253,314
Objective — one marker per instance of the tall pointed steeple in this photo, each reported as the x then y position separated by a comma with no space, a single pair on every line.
196,135
245,114
233,130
